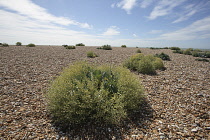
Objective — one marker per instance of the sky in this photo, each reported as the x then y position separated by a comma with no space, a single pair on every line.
134,23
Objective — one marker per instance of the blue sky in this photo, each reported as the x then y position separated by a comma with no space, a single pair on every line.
142,23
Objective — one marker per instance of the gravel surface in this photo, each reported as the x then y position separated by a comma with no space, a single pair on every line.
177,104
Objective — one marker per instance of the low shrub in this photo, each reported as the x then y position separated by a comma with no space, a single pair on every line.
202,59
188,51
138,51
18,44
80,44
91,54
105,47
65,46
174,48
123,46
31,45
5,45
70,47
97,94
144,64
178,51
163,56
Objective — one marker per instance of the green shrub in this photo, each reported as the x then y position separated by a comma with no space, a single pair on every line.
175,48
85,93
18,44
0,44
187,51
80,44
70,47
91,54
195,54
5,45
65,46
165,48
138,51
178,51
163,56
202,59
123,46
144,64
31,45
106,47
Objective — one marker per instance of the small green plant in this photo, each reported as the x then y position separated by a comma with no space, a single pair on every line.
31,45
138,51
70,47
178,51
5,45
174,48
18,44
123,46
163,56
188,51
65,46
93,94
80,44
202,59
144,64
91,54
105,47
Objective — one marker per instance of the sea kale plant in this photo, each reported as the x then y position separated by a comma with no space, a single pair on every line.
163,56
91,54
145,64
84,93
31,45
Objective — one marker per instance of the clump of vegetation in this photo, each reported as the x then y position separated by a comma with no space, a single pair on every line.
64,46
105,47
144,64
163,56
80,44
123,46
91,54
18,44
4,45
188,51
70,47
202,59
158,48
31,45
138,51
174,48
178,51
95,94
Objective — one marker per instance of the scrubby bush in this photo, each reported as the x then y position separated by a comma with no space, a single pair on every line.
70,47
165,48
4,45
138,51
80,44
105,47
202,59
64,46
91,54
31,45
188,51
175,48
123,46
18,44
144,64
163,56
178,51
90,94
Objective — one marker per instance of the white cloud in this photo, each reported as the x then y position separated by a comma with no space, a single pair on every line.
146,3
198,30
127,5
113,30
155,31
164,7
113,5
134,35
31,10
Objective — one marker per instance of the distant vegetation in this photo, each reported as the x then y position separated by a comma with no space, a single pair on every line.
163,56
138,51
194,52
70,47
91,54
202,59
80,44
154,48
31,45
123,46
145,64
4,45
96,94
174,48
105,47
18,44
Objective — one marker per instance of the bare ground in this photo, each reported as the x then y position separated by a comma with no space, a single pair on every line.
177,104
